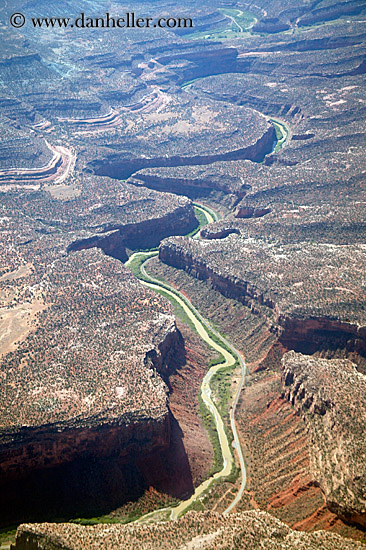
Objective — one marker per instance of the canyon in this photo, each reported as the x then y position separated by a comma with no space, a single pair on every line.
257,114
294,328
70,374
124,169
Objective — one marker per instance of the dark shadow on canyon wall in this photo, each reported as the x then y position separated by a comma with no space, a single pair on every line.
115,469
82,488
170,472
95,486
328,344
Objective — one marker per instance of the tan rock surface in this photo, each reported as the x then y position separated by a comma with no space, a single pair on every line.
331,397
246,531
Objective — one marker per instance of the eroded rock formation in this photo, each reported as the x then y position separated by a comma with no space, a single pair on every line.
244,269
248,530
121,169
330,396
84,391
85,349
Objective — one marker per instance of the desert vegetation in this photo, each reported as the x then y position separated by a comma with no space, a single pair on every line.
331,396
245,530
257,114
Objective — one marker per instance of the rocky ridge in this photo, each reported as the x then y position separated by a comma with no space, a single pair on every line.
245,268
248,530
330,396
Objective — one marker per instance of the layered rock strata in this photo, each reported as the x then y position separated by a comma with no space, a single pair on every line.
260,274
84,385
194,181
121,169
249,136
85,348
330,396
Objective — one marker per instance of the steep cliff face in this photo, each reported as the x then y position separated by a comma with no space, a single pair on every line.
150,232
112,244
230,287
222,233
82,472
330,396
47,446
204,62
309,335
270,25
249,212
188,184
100,435
162,356
99,456
302,331
124,168
143,234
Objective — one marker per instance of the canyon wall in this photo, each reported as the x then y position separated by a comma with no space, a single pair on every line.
85,465
310,334
328,393
330,396
230,287
302,333
192,187
124,168
144,234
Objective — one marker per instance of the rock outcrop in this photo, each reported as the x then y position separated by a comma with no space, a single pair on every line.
270,25
229,285
248,212
194,181
220,233
305,318
68,470
121,169
331,397
83,394
246,531
141,234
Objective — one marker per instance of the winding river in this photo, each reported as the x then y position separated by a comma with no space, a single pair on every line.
221,345
230,357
